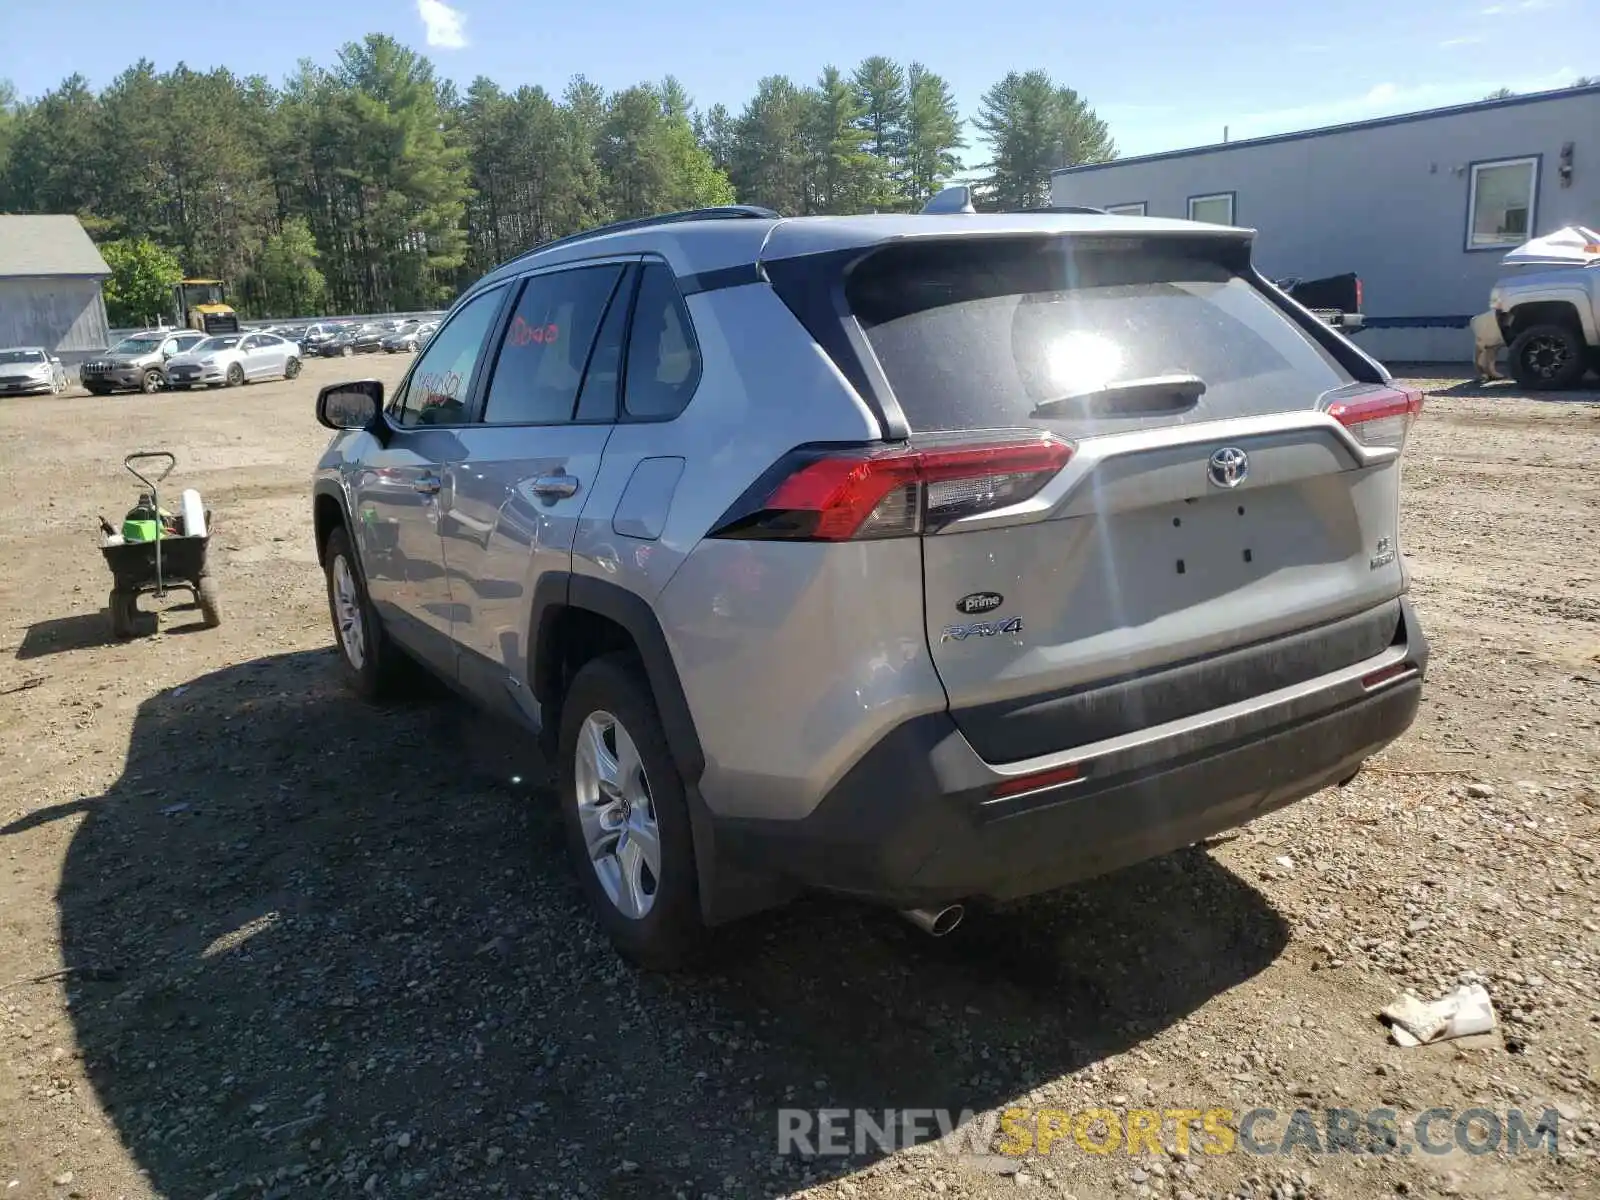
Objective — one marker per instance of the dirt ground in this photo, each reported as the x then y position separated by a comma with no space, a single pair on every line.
257,939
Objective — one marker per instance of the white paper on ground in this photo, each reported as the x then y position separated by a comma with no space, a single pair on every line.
1461,1013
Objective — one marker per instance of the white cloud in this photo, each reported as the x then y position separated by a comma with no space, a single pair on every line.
446,26
1510,7
1383,93
1471,39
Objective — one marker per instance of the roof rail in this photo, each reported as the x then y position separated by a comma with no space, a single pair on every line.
723,212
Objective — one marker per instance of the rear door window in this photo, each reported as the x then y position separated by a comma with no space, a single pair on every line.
545,351
979,333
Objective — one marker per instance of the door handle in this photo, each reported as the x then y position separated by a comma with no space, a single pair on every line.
555,487
428,485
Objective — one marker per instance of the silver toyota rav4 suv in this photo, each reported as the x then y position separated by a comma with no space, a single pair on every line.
923,559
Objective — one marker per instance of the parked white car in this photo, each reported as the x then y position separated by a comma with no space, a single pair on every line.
234,358
29,370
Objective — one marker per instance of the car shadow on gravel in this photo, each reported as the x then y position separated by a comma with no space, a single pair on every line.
1589,393
313,943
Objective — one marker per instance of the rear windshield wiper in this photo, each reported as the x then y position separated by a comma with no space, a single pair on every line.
1154,393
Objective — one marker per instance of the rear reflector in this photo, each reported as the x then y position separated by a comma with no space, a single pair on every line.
1381,418
1037,781
899,491
1390,674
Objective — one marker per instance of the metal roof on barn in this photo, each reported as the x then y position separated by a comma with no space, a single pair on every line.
46,246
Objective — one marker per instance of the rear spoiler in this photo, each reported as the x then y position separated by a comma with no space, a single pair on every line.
958,199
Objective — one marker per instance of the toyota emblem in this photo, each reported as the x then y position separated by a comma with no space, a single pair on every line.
1228,467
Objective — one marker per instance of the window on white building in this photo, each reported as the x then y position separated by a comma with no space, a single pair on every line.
1500,203
1127,210
1214,210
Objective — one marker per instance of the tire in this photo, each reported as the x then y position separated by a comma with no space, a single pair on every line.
291,368
1548,357
347,351
152,381
609,698
97,391
235,375
373,664
206,596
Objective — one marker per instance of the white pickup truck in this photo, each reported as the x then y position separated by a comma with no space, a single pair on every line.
1546,309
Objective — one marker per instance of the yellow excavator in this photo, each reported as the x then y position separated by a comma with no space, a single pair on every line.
203,304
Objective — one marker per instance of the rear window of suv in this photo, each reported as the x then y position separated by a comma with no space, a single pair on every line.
977,333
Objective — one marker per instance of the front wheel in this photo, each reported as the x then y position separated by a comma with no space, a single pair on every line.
372,663
152,381
347,351
1548,357
626,817
235,375
291,368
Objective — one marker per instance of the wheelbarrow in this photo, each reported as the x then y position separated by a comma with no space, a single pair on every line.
165,562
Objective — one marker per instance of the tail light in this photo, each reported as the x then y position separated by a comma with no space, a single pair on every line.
1381,418
1358,295
895,491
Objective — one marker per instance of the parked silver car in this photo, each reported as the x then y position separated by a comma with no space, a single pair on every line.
138,362
31,371
230,359
921,559
409,338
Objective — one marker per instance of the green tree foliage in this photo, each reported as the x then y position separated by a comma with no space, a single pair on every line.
9,109
845,176
288,281
1034,125
933,135
370,184
142,275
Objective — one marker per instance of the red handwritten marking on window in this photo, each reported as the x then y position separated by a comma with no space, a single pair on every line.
439,388
523,334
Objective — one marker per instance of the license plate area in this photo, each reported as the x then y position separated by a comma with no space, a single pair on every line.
1209,545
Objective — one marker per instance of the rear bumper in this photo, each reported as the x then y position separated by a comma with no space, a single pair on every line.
917,822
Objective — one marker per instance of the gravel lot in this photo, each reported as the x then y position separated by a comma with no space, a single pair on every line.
259,940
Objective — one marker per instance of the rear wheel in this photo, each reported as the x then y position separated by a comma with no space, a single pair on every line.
1548,357
235,375
152,381
626,818
291,368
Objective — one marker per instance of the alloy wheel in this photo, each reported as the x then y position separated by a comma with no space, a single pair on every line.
618,815
347,613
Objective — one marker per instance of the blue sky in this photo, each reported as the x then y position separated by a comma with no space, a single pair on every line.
1164,74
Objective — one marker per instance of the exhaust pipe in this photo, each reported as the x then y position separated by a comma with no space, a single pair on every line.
935,922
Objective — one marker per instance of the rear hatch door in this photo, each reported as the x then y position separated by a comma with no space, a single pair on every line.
1212,510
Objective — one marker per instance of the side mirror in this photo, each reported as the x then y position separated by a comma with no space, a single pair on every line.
353,405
